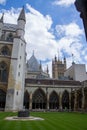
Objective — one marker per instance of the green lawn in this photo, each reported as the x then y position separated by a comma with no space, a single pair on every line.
53,121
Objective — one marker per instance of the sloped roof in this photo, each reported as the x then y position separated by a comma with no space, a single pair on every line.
22,15
32,64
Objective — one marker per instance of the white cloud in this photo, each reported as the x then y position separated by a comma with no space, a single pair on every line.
39,37
2,1
70,30
63,2
70,42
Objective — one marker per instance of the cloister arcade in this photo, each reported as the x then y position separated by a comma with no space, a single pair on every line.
75,100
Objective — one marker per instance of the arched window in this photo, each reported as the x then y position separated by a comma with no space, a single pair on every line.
54,101
5,51
10,37
3,72
65,100
39,100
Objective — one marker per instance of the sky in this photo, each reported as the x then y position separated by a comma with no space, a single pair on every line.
53,28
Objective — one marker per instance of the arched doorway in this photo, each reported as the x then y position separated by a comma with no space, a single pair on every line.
65,100
54,101
26,100
2,99
39,100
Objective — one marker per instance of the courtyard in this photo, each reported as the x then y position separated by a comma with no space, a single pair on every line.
52,121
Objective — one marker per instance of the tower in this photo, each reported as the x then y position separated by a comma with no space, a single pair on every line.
58,68
16,78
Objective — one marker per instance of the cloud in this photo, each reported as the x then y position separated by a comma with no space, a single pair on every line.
38,34
63,2
3,1
40,37
70,40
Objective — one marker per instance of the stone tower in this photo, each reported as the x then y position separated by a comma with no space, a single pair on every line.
58,68
16,77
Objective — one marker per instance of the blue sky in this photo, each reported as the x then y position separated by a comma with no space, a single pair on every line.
52,26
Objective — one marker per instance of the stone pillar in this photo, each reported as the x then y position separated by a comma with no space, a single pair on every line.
75,101
83,99
30,105
47,101
70,101
60,101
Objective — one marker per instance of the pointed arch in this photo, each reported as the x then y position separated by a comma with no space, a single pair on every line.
26,99
5,51
54,100
65,100
2,99
3,72
39,99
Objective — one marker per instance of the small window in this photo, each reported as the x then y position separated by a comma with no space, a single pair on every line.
18,73
19,65
17,93
10,37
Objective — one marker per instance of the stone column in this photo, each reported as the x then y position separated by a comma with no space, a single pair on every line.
47,101
70,101
83,99
60,101
30,105
75,101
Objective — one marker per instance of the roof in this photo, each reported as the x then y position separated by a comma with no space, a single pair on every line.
22,15
11,27
32,64
53,82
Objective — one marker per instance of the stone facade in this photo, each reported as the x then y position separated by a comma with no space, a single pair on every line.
12,62
58,68
37,91
76,72
51,95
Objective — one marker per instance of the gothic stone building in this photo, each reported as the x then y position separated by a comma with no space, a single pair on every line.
45,93
12,63
38,91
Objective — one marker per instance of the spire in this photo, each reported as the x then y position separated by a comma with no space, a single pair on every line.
1,20
55,58
40,67
47,69
22,15
64,59
73,59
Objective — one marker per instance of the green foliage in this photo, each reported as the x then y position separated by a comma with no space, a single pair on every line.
53,121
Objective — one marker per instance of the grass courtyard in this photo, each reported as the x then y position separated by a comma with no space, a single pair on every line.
53,121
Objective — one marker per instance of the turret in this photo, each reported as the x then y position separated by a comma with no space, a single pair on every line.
64,63
40,67
21,23
1,25
47,70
